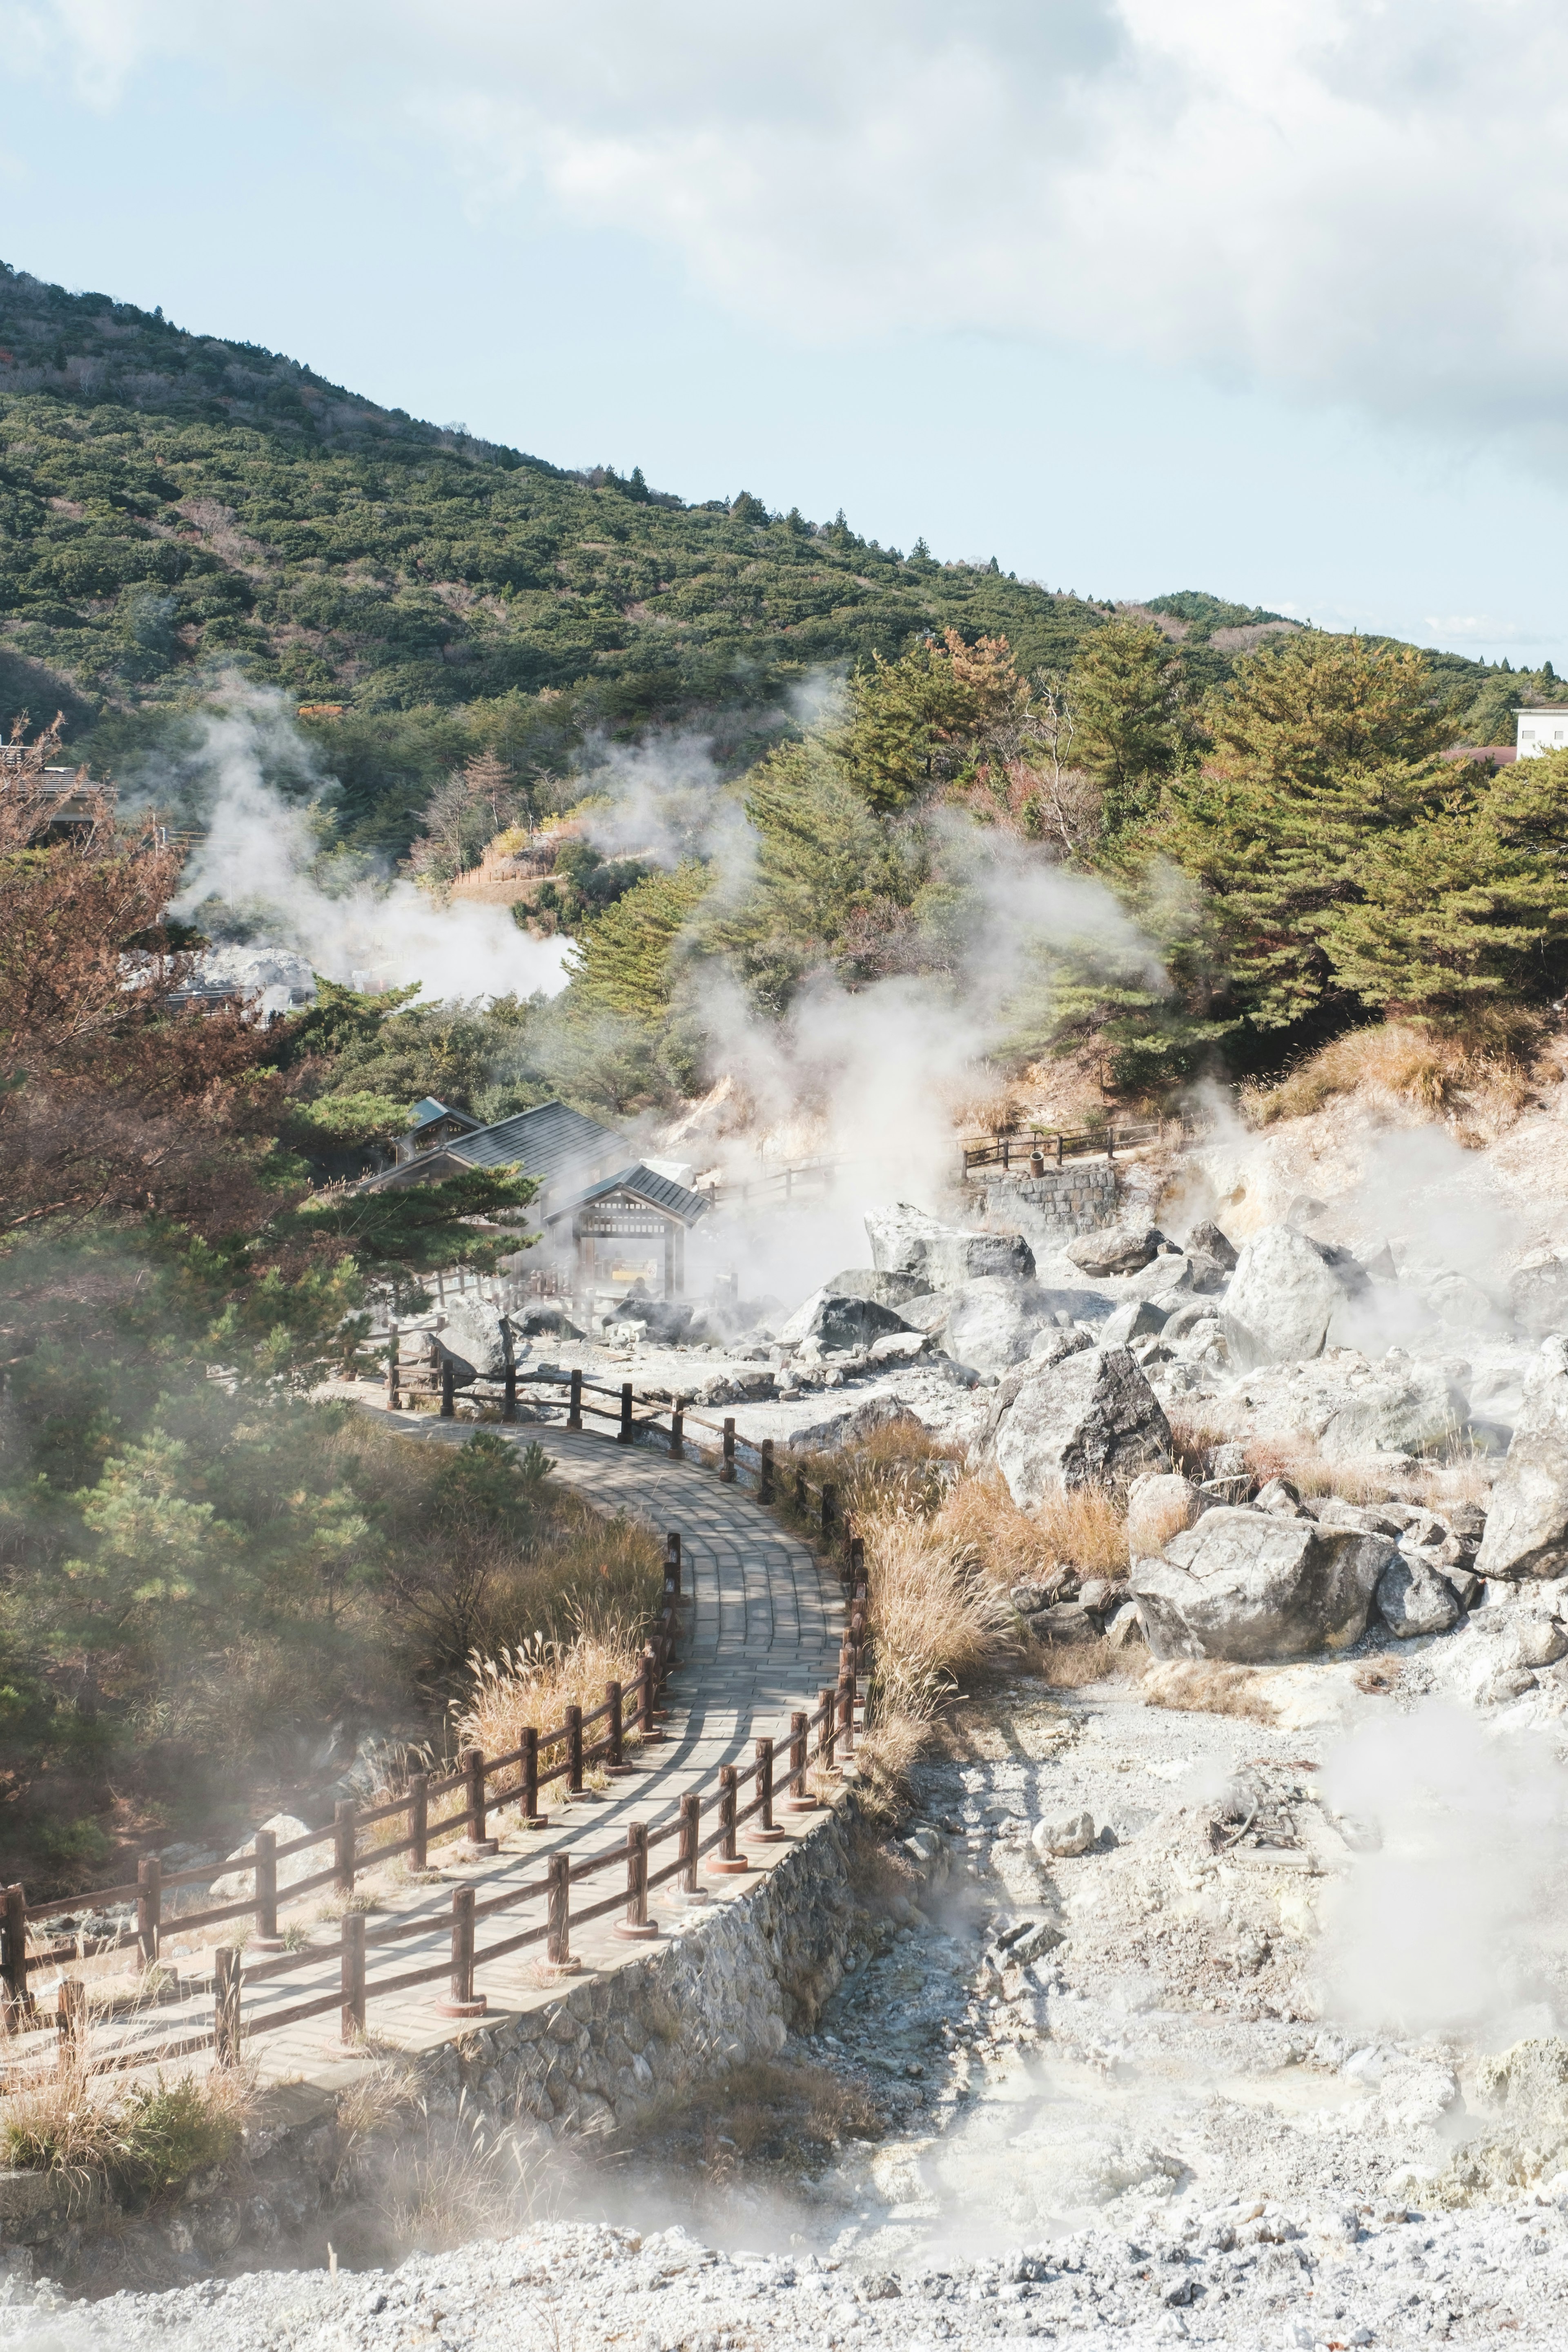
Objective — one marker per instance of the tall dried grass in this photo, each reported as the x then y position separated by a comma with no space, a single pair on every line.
1484,1074
149,2137
535,1682
1082,1530
938,1617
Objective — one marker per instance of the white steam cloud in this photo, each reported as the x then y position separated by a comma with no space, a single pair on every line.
259,855
1450,1924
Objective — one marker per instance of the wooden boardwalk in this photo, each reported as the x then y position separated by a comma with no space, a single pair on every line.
760,1634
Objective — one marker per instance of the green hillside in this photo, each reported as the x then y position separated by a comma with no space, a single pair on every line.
172,506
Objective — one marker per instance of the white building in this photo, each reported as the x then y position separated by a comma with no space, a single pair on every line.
1542,731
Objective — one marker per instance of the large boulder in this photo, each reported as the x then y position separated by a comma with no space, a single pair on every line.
866,1282
1160,1505
905,1240
1116,1249
1537,1291
1414,1599
1242,1585
1135,1319
665,1321
839,1325
1091,1419
1208,1238
1289,1295
477,1340
1354,1409
1526,1519
992,1321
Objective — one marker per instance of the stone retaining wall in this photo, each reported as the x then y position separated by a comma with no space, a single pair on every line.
727,1989
1051,1209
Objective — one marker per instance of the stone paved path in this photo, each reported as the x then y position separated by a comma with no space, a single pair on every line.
760,1627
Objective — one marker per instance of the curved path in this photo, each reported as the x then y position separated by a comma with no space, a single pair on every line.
759,1636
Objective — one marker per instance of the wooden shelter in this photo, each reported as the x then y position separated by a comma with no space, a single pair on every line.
628,1228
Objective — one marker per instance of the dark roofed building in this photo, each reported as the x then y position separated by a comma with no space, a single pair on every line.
556,1145
628,1228
430,1124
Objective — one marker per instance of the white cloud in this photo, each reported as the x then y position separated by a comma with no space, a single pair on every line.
1351,201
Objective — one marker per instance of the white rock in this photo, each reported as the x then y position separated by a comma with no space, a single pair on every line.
1285,1297
1159,1506
1245,1587
1069,1833
1089,1419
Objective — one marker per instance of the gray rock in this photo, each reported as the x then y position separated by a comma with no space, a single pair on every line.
1049,1345
1091,1419
839,1325
1160,1505
1116,1249
1251,1589
1537,1291
478,1339
1288,1295
1065,1622
847,1428
1067,1834
1134,1320
867,1282
993,1322
1413,1599
905,1240
1186,1320
665,1321
1280,1500
1368,1517
1527,1523
1208,1238
1126,1626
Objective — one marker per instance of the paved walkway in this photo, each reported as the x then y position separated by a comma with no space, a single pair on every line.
759,1630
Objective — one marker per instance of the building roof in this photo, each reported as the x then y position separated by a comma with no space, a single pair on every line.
426,1112
549,1141
659,1191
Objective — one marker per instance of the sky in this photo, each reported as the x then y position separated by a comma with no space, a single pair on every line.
1255,296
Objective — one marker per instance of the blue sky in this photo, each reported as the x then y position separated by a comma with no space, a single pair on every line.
1069,287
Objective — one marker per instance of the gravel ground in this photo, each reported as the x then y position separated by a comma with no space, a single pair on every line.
1154,2130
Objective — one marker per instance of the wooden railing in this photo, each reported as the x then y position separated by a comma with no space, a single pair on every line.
1034,1149
821,1739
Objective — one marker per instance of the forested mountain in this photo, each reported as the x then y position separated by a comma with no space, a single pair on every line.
172,504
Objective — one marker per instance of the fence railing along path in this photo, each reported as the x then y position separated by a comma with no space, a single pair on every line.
773,1652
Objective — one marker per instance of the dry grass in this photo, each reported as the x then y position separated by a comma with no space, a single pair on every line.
535,1683
939,1618
793,2116
467,2180
1483,1078
1072,1666
884,1758
1083,1530
148,2139
1205,1686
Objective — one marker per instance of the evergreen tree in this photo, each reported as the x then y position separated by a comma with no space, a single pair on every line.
1122,691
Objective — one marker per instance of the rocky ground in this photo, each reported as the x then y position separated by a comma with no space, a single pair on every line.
1174,2050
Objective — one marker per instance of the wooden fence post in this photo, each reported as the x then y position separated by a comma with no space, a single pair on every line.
574,1750
691,1832
764,1827
637,1923
827,1706
615,1763
846,1715
418,1822
765,1482
1059,1148
558,1946
479,1840
226,2004
646,1713
528,1802
800,1487
625,1434
727,1863
727,1466
71,2019
352,1974
266,1937
856,1559
345,1816
575,1405
394,1401
799,1800
829,1513
14,1957
449,1389
677,1433
508,1394
148,1907
672,1566
462,2001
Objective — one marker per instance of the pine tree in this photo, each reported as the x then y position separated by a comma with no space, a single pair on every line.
1121,692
